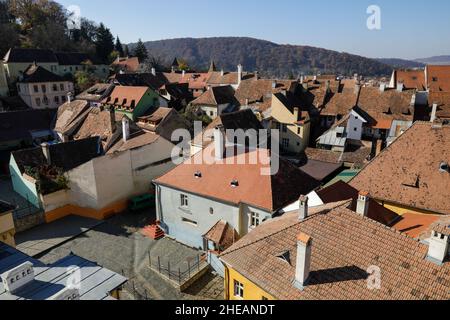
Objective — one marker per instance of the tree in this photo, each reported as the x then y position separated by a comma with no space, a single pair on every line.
84,80
104,43
141,51
119,47
9,35
126,51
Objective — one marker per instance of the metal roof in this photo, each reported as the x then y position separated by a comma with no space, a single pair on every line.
96,282
330,137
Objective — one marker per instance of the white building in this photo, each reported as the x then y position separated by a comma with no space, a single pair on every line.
42,89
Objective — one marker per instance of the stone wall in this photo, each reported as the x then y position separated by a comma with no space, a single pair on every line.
29,221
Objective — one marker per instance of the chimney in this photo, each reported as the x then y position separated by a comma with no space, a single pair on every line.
327,86
274,84
246,102
383,87
219,143
302,79
303,208
362,206
400,87
153,71
222,73
256,75
46,151
315,78
183,73
296,114
18,277
112,118
438,249
69,97
240,71
303,262
125,129
433,113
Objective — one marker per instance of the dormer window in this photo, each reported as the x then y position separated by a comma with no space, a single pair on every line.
434,79
198,174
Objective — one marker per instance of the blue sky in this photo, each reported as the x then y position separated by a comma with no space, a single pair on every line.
409,28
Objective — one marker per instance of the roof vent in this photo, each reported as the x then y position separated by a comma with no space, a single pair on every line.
444,167
66,294
18,277
234,184
286,256
198,174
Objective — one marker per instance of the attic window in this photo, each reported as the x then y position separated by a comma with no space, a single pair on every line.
133,104
234,184
444,167
285,256
414,78
434,79
198,174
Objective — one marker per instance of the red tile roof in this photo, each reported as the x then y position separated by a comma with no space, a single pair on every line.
274,192
407,172
438,78
344,247
123,96
411,79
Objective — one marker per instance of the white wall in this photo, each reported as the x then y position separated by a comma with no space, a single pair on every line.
355,126
170,213
29,96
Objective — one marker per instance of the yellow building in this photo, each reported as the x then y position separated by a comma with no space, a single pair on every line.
7,228
293,123
238,287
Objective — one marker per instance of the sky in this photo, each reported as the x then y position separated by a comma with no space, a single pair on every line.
409,28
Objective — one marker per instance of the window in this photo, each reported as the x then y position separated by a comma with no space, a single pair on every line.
254,220
44,88
56,99
435,79
238,289
61,86
355,129
284,128
299,130
36,88
191,222
46,101
211,113
184,201
285,143
38,102
63,98
277,125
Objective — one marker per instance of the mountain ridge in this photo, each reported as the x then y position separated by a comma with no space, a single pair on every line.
269,58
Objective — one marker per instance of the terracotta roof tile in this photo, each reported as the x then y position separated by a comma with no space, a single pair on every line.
274,192
438,78
411,79
344,247
407,172
124,96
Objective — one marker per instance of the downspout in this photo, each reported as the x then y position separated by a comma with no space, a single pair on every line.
226,284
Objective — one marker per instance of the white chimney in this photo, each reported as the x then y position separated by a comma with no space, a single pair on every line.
303,208
383,87
438,247
125,129
362,206
240,71
296,114
183,73
219,143
222,73
274,84
69,97
433,113
46,151
303,262
66,294
18,277
400,87
153,71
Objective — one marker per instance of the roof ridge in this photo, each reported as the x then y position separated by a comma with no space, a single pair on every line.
325,210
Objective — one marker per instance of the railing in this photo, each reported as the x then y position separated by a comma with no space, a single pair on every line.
175,273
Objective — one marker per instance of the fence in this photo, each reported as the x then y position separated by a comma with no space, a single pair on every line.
175,272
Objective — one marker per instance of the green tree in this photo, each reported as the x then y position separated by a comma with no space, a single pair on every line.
84,80
104,43
141,51
126,51
119,47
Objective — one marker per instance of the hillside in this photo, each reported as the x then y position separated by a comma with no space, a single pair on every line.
401,63
443,60
268,58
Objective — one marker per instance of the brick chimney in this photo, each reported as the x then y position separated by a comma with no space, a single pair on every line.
303,208
362,205
303,261
219,143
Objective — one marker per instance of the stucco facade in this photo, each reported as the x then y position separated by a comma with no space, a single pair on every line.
250,290
294,135
44,95
188,224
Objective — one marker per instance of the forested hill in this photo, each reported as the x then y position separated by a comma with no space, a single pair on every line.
267,57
